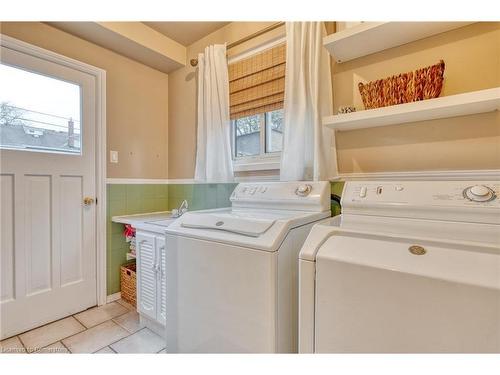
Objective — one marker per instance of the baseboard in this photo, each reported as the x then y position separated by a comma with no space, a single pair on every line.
153,325
113,297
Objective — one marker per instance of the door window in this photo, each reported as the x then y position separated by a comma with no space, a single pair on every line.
39,113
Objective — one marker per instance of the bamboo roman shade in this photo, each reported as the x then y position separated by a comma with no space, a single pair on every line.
257,84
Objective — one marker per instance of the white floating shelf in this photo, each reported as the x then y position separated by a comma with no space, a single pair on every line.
370,37
448,106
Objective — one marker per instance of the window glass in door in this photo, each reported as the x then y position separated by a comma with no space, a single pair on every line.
38,112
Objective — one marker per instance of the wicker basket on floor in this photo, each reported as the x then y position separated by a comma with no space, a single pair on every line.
128,283
425,83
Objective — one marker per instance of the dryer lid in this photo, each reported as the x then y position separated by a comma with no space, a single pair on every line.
462,263
251,227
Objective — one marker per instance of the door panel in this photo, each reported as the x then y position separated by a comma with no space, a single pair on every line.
38,228
48,240
71,229
7,238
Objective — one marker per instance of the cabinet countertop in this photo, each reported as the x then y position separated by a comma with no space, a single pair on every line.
146,221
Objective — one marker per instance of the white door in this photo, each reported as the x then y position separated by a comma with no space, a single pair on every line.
146,274
47,156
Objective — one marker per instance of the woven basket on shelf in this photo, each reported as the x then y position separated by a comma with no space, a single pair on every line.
128,283
425,83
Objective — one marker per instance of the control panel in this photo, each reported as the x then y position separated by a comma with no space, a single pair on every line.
422,198
418,192
302,195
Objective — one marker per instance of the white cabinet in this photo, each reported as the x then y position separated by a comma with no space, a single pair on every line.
151,280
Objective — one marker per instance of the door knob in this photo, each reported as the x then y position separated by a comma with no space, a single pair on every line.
87,201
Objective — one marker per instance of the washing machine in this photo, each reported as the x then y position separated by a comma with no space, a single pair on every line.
232,273
409,266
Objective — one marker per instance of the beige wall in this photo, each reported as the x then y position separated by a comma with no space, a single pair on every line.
182,98
136,100
156,143
472,58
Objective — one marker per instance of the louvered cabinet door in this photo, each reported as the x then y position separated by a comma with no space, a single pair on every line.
146,275
162,291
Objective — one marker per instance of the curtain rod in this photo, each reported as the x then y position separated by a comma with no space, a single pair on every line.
194,62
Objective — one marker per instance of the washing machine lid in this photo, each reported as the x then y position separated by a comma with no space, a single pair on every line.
469,264
251,227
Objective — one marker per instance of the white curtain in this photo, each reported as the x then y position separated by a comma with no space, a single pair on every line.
308,147
213,153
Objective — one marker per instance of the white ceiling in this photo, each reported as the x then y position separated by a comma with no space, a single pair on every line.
185,33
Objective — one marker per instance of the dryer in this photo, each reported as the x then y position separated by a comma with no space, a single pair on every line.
232,273
409,266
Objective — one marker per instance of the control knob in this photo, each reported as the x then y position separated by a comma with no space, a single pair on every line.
303,190
479,193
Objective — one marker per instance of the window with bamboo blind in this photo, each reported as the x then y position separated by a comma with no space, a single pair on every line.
257,83
256,95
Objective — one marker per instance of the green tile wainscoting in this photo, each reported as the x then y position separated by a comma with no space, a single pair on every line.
200,196
128,199
336,188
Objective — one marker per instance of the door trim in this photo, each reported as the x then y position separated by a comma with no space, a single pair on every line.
100,157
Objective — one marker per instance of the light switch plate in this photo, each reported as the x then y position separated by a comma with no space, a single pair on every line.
113,156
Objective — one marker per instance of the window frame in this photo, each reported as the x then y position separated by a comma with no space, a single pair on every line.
264,160
266,116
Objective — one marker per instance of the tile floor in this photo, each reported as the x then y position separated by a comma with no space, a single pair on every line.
112,328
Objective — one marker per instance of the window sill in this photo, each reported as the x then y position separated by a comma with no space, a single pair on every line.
256,166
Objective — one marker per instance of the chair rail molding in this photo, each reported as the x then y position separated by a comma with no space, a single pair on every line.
479,174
